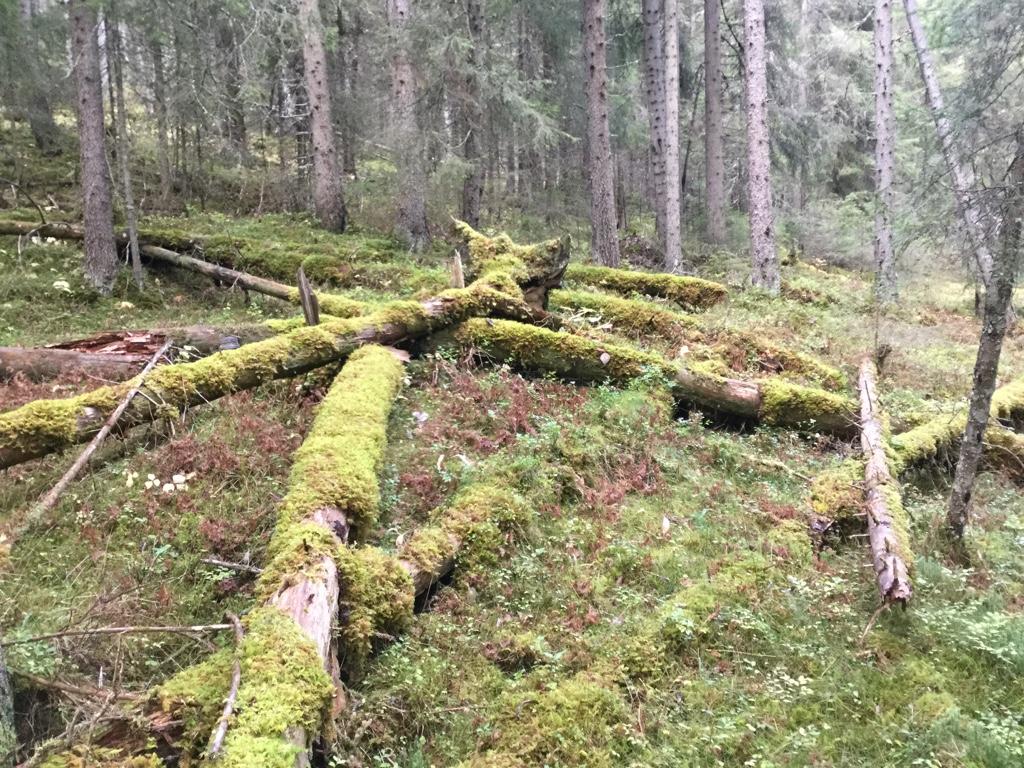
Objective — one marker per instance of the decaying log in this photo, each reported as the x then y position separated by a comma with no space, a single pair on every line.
339,306
837,493
691,293
44,426
771,401
887,521
40,364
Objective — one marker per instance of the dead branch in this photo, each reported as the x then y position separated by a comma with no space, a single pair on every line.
217,740
127,630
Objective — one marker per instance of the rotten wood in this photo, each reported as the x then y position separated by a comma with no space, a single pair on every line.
307,299
886,519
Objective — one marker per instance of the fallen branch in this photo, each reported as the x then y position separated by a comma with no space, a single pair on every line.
217,739
887,524
127,630
243,567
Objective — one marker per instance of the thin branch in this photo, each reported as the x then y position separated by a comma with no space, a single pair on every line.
217,740
19,188
244,567
173,629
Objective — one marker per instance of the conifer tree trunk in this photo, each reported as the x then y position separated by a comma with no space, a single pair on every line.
654,91
235,123
715,171
673,241
328,199
116,58
886,288
348,74
411,226
163,154
993,330
759,183
962,182
101,261
38,109
473,185
604,244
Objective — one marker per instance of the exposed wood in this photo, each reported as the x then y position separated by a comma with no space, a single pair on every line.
887,532
458,279
310,305
50,499
40,364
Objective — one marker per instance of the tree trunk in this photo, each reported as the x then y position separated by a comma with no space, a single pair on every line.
163,154
328,200
36,103
713,153
411,224
234,124
472,109
116,58
604,244
759,183
673,246
349,36
960,177
886,287
654,91
101,262
8,736
887,520
42,364
986,367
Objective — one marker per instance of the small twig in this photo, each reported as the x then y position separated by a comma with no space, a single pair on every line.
182,630
871,621
776,464
244,567
89,691
50,499
217,740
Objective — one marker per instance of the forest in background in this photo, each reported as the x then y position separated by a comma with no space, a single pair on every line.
508,383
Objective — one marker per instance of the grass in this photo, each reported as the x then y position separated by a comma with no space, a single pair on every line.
663,607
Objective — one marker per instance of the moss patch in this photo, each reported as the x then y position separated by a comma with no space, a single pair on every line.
688,292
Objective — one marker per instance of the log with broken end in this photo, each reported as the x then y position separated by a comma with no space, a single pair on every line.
887,522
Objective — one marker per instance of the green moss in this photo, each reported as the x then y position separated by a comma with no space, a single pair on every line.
581,721
784,403
688,292
100,757
559,353
338,463
839,492
376,599
494,256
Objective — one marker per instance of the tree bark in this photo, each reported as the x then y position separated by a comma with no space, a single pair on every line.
123,144
887,531
472,108
101,262
36,103
759,183
163,154
986,367
715,168
673,246
328,199
234,124
8,735
604,243
886,286
38,364
960,177
411,225
654,91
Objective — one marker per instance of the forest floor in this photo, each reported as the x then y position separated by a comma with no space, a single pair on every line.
665,605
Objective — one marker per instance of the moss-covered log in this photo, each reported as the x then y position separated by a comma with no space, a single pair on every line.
691,293
772,401
44,426
887,520
640,319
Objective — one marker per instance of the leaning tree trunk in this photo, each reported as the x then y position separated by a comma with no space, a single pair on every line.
472,109
886,288
604,243
713,154
411,224
654,90
993,330
967,212
101,262
673,241
328,199
887,520
759,183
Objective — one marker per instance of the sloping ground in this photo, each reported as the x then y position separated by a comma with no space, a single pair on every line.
661,604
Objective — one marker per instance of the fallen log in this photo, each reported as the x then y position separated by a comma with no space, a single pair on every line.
772,401
339,306
44,426
836,493
40,364
644,318
887,520
691,293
